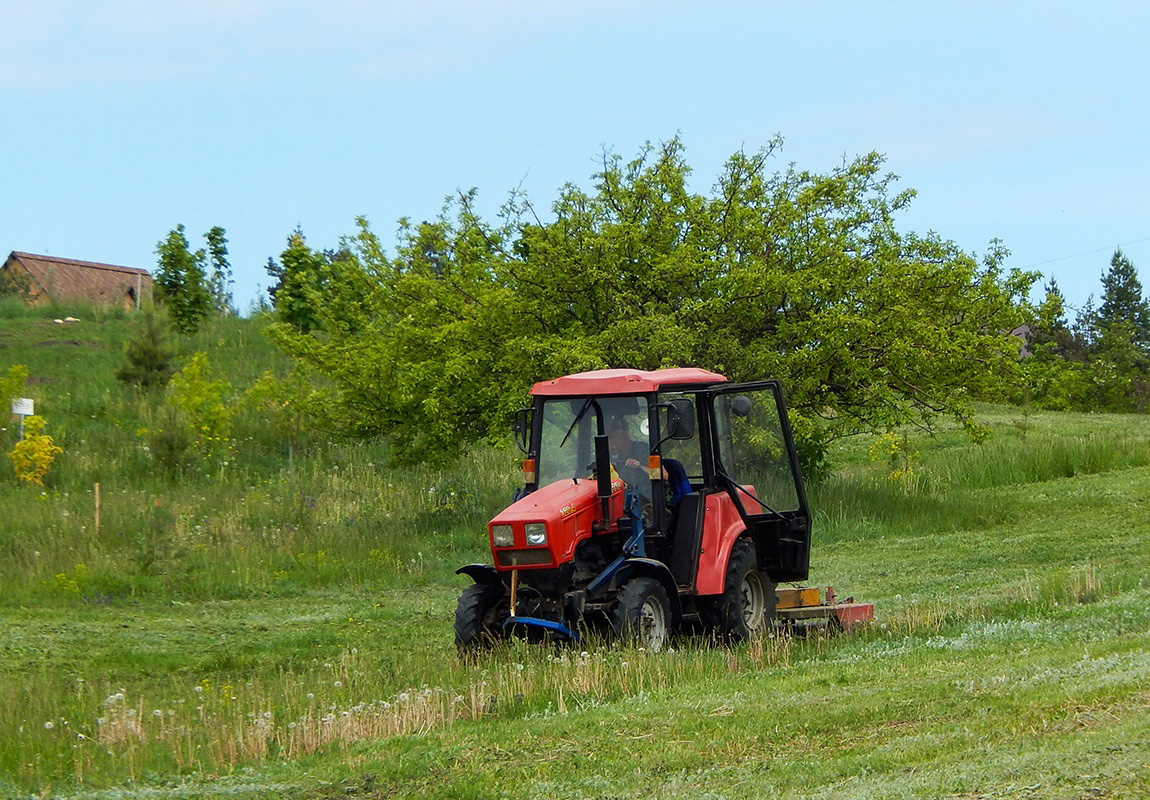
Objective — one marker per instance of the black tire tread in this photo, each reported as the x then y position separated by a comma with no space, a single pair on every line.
725,612
629,608
471,630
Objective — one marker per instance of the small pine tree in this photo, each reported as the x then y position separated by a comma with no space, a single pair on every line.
220,282
300,275
1122,301
181,283
147,355
1050,333
1086,324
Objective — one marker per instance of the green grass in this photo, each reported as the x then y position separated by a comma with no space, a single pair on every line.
271,628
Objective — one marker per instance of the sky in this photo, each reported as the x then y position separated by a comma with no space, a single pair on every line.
1021,121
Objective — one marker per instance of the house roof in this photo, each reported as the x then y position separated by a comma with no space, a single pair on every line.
68,277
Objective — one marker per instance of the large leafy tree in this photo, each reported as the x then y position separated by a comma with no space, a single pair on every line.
789,274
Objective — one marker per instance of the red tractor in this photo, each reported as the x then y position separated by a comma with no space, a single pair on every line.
650,500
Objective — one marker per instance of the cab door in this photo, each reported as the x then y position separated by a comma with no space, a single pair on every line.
754,460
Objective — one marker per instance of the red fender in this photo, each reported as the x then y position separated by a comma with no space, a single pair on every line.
722,526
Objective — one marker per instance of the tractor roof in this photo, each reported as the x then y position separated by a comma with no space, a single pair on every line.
623,381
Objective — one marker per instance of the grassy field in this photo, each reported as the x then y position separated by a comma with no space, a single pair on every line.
281,627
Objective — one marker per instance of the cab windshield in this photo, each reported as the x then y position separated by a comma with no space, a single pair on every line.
567,448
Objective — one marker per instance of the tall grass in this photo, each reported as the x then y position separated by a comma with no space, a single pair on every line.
341,518
952,489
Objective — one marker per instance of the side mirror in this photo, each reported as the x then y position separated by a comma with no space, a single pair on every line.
740,405
680,419
522,428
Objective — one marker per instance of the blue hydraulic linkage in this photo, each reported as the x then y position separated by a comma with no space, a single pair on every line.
634,547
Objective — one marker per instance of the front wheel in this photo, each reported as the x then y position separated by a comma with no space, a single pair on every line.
478,617
643,614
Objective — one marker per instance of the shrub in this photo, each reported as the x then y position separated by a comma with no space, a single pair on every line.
203,404
147,355
33,455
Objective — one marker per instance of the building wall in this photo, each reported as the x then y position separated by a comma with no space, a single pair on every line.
66,279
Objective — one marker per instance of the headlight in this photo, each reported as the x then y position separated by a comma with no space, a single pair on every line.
502,535
536,533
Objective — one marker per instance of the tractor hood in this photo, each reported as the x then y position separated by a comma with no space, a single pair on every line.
566,509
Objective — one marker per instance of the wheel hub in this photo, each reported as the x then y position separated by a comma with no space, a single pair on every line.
653,624
753,601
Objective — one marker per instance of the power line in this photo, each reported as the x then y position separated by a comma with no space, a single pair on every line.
1080,255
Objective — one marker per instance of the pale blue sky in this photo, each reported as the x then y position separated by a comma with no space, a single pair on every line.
1025,121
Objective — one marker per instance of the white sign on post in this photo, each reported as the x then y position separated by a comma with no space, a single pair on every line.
23,406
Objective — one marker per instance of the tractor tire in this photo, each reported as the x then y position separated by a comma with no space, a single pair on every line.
478,623
747,604
643,614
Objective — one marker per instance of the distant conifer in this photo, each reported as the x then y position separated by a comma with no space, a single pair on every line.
147,355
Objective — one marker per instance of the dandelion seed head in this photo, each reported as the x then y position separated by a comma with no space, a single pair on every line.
49,725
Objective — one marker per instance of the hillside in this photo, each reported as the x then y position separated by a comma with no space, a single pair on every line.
278,622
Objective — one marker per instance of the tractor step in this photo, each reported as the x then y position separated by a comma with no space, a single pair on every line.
808,603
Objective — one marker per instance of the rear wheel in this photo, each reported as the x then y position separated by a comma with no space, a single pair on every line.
747,604
478,622
643,614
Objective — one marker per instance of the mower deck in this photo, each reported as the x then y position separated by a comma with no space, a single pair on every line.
805,604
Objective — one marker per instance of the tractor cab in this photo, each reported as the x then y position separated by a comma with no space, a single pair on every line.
689,435
649,499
